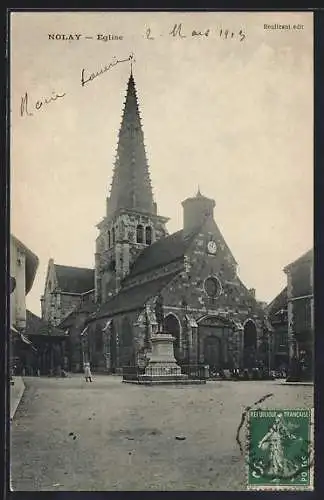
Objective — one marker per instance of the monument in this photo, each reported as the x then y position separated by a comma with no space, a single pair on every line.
162,366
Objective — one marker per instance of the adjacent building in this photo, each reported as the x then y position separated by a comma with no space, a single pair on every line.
300,310
23,267
66,288
277,312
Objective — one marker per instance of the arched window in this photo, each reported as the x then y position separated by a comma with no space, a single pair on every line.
148,235
172,326
212,287
109,239
139,233
113,235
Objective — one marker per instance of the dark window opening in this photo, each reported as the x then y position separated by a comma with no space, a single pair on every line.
140,234
148,235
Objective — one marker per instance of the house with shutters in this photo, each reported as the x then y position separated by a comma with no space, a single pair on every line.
192,274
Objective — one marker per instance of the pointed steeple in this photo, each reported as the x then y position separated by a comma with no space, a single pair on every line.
131,186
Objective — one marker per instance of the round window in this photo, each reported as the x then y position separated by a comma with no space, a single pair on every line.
212,287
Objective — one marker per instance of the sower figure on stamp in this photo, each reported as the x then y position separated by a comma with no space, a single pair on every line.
278,465
159,313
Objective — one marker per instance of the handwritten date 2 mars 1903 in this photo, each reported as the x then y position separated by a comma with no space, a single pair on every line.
178,31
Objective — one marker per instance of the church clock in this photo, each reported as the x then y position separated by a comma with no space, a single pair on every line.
212,247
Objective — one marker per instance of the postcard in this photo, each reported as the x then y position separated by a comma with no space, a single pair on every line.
161,253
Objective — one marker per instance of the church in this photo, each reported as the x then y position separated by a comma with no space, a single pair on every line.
144,278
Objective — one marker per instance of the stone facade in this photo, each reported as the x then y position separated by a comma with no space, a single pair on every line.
62,296
147,281
121,239
223,329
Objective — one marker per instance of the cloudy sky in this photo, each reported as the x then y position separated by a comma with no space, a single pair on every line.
234,115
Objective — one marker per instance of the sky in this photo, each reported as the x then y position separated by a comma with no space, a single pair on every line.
232,114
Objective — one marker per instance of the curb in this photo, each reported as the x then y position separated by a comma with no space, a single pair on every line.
16,392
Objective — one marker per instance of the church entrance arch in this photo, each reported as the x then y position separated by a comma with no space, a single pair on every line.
212,352
172,327
249,343
214,334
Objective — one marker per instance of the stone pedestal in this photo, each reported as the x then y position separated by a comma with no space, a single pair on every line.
162,366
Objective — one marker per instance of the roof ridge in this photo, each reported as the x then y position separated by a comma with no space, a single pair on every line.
75,267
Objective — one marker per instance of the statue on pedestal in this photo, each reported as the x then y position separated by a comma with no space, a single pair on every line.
159,313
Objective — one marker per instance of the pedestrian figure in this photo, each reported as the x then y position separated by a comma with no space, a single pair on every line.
87,372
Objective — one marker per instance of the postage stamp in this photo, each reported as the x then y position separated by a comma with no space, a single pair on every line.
280,449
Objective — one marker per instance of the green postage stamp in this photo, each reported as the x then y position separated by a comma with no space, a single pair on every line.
280,449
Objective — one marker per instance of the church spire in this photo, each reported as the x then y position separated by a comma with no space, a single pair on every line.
131,186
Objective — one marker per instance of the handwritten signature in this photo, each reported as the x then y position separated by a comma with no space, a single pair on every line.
103,70
27,109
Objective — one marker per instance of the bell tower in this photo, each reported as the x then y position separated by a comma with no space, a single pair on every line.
131,222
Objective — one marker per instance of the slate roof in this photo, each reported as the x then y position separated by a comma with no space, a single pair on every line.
74,279
37,326
306,257
71,317
279,303
161,253
134,297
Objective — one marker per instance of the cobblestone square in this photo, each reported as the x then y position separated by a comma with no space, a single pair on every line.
71,435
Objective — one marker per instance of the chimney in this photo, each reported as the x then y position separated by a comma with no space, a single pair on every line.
195,211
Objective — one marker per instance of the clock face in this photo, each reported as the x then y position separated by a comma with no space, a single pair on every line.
212,247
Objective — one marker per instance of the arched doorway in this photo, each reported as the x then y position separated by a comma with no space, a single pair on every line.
212,352
215,342
172,326
249,344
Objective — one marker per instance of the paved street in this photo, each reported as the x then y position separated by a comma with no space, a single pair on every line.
124,436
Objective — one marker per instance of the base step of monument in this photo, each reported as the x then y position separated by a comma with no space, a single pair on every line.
164,381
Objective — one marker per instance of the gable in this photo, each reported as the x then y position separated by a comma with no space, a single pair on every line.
51,280
306,258
220,262
213,230
279,303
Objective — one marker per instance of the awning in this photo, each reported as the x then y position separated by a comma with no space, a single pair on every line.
25,339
